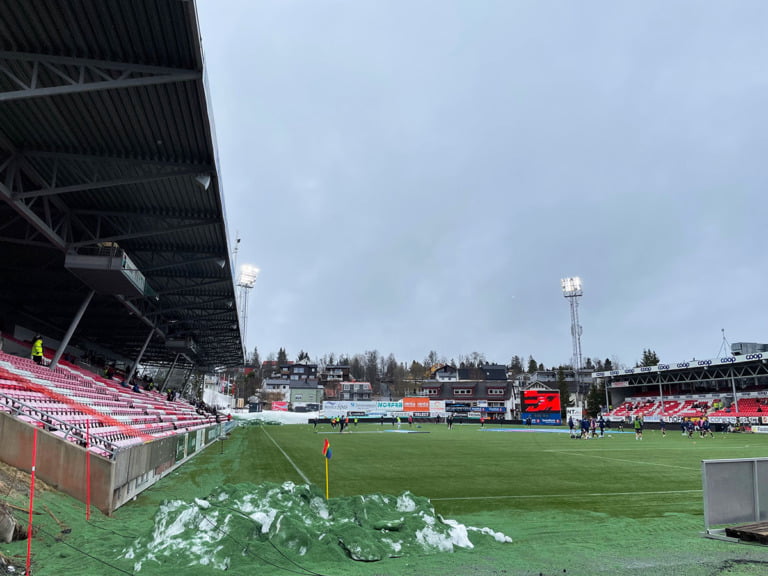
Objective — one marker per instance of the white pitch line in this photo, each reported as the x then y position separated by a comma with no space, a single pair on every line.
571,495
292,463
623,460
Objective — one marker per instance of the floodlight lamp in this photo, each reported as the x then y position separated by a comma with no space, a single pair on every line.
248,275
204,180
571,286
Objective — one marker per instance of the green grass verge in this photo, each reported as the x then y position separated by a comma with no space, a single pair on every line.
613,506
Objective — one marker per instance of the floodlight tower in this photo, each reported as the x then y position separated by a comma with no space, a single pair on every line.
572,292
245,282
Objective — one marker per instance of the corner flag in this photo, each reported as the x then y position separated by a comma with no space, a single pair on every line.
327,454
327,449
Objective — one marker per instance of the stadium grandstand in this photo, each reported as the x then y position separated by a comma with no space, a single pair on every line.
731,389
113,241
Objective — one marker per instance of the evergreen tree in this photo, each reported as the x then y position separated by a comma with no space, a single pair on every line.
303,356
532,365
372,370
607,365
599,365
357,368
594,401
565,395
650,358
255,362
282,357
417,371
516,365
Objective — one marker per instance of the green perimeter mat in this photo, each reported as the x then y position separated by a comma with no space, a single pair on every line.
603,506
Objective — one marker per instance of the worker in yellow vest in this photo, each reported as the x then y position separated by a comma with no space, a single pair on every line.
37,349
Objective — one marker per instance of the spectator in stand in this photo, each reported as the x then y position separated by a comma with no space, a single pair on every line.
37,349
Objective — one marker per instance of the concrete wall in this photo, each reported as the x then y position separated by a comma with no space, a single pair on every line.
61,464
113,482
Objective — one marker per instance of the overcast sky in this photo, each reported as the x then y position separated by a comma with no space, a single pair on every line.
416,175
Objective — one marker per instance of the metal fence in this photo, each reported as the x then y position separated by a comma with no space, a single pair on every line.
735,491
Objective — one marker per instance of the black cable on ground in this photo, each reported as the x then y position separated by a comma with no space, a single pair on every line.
247,551
83,552
283,554
95,525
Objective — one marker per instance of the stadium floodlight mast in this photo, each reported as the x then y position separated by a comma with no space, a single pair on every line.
572,290
245,283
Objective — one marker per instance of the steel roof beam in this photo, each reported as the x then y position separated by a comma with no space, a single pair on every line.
142,234
17,167
217,259
30,216
107,183
39,75
195,286
205,302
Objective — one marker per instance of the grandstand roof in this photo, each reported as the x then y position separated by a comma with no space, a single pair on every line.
106,138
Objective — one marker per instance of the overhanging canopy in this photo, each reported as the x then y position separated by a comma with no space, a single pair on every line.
107,144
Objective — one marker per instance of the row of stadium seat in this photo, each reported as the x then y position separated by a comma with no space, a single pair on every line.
70,396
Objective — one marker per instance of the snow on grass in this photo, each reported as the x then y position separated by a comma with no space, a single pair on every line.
297,519
275,416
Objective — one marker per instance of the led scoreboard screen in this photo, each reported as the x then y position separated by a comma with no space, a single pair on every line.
541,407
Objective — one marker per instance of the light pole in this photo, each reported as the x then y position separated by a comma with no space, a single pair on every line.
245,282
572,291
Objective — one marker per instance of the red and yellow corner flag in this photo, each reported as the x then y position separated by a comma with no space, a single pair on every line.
327,449
327,454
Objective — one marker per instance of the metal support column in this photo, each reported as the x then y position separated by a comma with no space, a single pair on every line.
71,329
185,384
132,371
170,370
733,387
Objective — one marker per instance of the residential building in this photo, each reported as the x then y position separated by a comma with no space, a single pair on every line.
490,397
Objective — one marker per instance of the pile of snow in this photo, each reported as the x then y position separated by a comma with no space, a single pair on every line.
214,532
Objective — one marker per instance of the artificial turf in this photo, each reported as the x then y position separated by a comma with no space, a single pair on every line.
613,505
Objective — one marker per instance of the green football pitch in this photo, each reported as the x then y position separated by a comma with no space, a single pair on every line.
613,505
